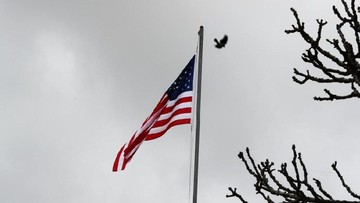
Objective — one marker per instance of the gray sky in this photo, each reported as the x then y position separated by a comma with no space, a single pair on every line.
77,78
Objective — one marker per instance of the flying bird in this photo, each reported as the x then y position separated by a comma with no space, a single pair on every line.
222,42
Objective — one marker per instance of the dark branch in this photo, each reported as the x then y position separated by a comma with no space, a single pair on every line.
293,188
345,61
348,189
235,194
332,96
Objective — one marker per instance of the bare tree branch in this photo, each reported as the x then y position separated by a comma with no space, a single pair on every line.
235,194
346,68
295,188
348,189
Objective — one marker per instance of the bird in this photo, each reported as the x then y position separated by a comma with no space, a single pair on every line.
222,42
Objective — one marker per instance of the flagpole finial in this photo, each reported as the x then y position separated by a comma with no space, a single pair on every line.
201,30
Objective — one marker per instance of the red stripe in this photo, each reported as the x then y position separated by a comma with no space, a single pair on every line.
135,141
161,104
179,101
141,137
174,123
126,160
116,162
145,136
132,139
177,112
128,156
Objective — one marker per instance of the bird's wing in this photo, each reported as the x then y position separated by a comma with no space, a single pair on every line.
224,40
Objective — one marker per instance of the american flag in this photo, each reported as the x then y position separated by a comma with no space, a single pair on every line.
174,108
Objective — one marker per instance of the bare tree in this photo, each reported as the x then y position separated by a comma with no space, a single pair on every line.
274,184
345,68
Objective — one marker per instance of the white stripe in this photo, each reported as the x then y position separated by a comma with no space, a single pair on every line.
177,117
122,159
149,123
182,95
152,120
134,150
179,106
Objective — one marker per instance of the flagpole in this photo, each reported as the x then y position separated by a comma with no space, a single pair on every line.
198,102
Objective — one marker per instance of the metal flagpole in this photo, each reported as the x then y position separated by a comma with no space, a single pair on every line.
198,101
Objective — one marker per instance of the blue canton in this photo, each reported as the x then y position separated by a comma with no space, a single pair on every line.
184,82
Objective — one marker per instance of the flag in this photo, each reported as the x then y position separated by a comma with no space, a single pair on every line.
174,108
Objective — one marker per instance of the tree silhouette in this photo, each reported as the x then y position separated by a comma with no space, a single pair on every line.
342,66
274,184
291,182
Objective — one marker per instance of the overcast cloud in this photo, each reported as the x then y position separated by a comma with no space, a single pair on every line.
77,78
